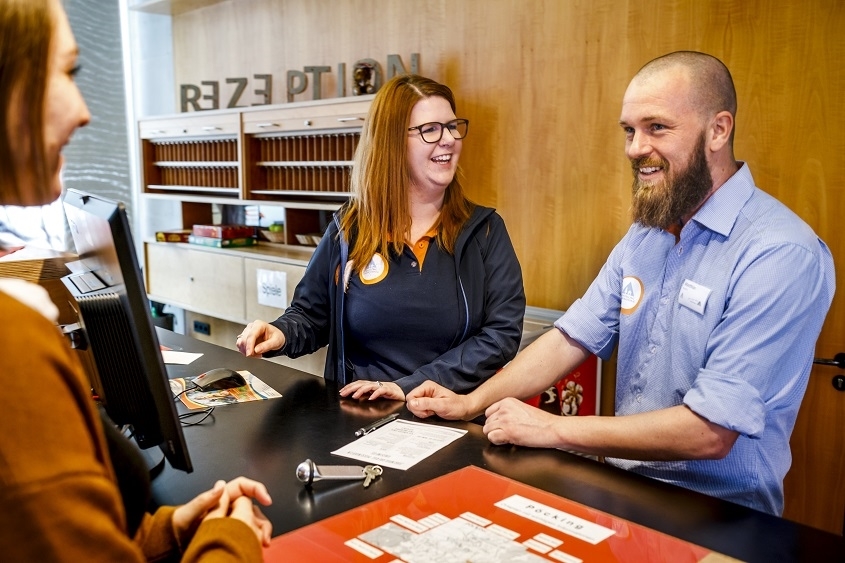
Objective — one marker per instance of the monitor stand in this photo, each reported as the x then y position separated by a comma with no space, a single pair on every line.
123,450
155,460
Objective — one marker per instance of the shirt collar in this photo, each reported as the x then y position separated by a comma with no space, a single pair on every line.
432,232
720,211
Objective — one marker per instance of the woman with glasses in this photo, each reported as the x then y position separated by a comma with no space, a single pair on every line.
412,281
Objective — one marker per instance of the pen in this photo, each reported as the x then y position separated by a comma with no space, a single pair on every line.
377,424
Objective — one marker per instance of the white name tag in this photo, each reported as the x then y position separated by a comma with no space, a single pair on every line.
694,296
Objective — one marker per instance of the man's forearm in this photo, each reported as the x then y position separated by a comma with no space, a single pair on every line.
534,370
671,434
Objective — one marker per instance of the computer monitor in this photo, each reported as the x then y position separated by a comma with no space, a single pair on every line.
108,288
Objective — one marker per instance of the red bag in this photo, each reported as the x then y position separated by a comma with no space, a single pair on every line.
576,394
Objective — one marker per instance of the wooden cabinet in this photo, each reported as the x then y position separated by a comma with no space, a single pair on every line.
334,113
254,308
221,283
219,288
302,151
200,280
296,156
192,154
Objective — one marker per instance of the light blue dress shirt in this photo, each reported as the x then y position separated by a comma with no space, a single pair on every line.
725,322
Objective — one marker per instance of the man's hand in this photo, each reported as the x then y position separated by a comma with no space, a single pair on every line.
363,389
511,421
431,398
258,338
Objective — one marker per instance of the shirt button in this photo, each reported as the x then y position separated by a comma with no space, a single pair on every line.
639,398
413,264
680,250
653,349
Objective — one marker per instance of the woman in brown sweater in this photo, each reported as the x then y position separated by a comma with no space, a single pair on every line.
59,495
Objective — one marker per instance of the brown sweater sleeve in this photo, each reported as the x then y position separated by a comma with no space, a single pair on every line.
58,496
221,540
156,537
218,539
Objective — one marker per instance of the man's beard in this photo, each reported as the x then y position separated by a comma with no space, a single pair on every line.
662,204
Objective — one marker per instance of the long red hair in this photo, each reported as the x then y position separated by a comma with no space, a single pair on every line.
378,210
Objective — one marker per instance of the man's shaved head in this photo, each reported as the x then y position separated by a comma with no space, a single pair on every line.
712,86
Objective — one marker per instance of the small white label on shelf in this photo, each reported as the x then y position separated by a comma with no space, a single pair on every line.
272,288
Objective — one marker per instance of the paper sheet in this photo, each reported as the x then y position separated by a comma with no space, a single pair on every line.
400,444
182,358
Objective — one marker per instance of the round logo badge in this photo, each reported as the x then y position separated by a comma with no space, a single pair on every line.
375,271
632,294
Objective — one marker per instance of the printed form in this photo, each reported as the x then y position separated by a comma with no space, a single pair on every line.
400,444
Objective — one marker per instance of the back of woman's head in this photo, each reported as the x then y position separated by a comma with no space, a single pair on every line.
26,28
381,173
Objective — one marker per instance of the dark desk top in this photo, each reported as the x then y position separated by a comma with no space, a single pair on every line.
266,440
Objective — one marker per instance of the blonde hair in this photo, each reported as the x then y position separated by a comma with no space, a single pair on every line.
378,210
26,31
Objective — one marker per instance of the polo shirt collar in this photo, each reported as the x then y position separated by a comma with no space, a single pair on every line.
432,232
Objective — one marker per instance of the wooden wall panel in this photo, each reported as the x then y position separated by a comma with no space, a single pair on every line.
541,106
542,82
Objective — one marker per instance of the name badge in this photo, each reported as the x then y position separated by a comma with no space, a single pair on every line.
375,271
694,296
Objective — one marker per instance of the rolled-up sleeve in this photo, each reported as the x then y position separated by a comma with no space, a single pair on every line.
582,325
731,402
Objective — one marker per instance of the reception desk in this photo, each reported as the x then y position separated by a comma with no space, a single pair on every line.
266,440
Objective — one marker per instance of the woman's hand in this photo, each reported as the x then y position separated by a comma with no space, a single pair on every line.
234,503
258,338
430,399
188,517
362,389
225,500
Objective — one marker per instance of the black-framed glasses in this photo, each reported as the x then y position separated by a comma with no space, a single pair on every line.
433,132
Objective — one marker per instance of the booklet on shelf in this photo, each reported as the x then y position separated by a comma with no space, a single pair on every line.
176,235
224,231
222,242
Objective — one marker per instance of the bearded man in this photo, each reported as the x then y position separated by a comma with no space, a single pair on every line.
715,298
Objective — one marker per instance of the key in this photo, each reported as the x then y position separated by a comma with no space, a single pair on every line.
308,472
371,472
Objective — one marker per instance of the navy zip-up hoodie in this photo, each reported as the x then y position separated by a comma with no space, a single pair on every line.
490,288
